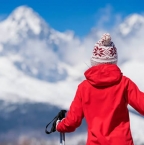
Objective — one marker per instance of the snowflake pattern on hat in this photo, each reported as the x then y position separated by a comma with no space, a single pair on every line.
98,51
104,51
111,51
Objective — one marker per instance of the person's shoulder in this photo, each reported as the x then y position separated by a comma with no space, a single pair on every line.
126,79
83,83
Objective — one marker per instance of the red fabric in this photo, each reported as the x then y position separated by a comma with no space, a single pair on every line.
102,99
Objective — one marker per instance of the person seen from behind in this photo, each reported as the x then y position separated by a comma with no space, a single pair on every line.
103,98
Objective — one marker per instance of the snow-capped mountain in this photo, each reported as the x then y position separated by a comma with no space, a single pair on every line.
127,37
31,44
40,64
33,52
23,34
21,24
37,55
132,24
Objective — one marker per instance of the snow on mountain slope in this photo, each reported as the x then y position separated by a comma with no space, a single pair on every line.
128,38
133,23
22,22
42,50
15,86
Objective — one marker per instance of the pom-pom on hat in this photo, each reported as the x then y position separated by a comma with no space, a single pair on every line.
104,51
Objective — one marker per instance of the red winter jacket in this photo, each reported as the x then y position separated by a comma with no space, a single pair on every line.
102,99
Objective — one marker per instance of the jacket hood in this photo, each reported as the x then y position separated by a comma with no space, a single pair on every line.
103,75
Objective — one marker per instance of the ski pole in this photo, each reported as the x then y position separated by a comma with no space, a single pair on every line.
60,116
62,138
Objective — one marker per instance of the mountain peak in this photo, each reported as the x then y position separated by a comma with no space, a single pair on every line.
133,22
23,8
23,12
23,21
25,16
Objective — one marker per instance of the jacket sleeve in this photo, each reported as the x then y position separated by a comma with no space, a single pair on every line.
135,97
74,116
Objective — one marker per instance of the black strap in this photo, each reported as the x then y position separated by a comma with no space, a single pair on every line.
60,116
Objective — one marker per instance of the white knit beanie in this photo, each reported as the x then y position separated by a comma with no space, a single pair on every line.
104,51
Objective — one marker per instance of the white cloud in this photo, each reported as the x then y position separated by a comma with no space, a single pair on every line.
134,69
1,47
103,16
37,51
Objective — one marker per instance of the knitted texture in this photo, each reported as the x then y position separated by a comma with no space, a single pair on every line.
104,51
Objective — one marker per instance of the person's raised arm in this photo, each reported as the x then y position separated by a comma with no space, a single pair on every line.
74,116
135,97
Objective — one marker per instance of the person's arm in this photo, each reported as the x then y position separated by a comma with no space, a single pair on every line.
74,116
135,97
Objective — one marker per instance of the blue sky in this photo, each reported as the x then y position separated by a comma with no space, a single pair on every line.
77,15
